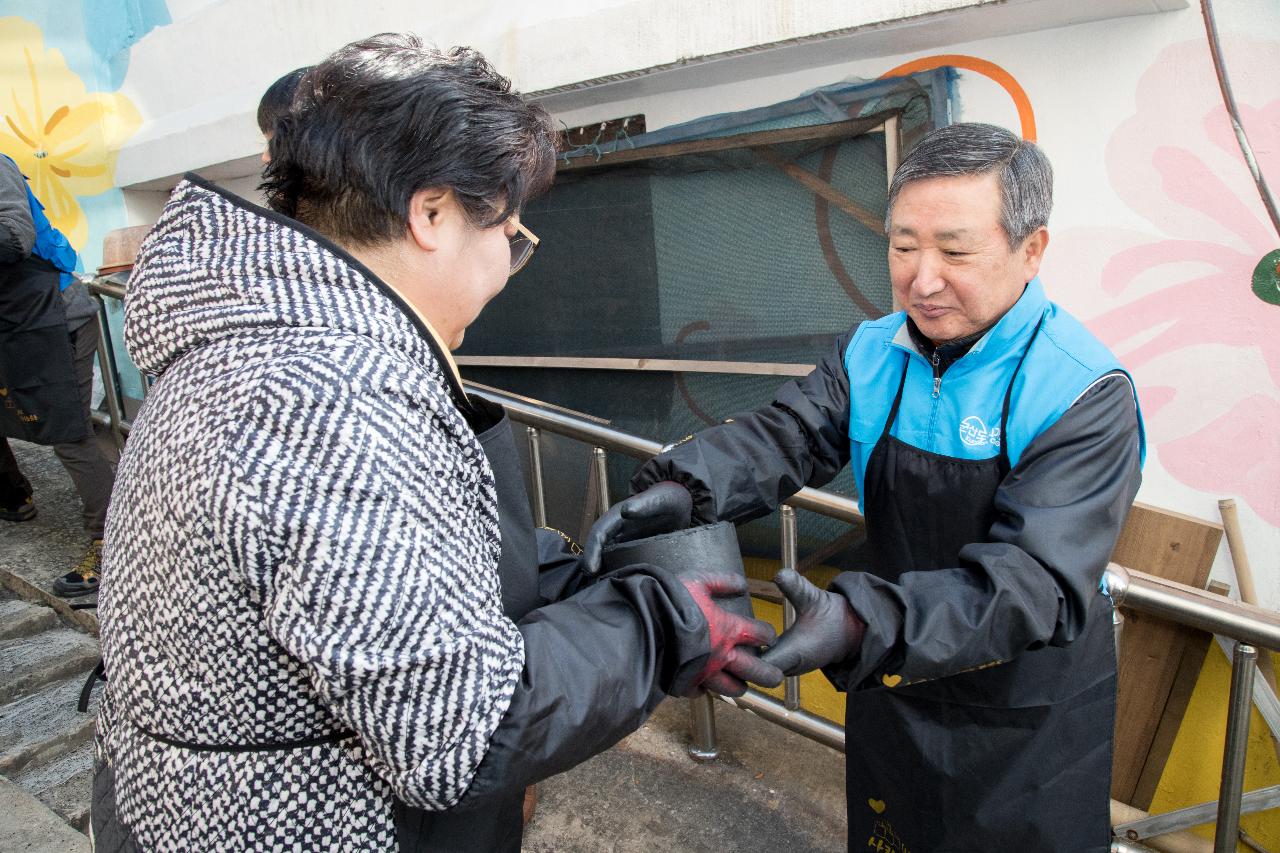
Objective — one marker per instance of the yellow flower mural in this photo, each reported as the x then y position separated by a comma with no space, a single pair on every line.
63,137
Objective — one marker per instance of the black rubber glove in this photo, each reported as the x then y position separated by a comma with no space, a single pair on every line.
826,629
735,640
661,508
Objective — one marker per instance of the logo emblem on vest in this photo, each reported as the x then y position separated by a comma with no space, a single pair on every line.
974,432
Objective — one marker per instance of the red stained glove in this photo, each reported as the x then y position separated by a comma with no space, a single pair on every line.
735,640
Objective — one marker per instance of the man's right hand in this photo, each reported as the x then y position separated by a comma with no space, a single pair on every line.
735,640
661,508
826,629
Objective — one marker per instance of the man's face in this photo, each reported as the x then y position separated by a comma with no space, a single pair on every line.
949,259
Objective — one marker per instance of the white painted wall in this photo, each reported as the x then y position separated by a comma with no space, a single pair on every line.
198,80
1125,107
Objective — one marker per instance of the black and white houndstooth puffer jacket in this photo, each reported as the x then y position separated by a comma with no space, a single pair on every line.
303,541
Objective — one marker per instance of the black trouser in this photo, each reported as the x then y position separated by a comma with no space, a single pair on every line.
89,469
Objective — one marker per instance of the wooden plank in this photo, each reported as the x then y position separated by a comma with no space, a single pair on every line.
670,365
1157,658
764,590
835,131
1190,663
811,182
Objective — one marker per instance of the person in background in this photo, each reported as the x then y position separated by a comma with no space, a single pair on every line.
327,619
996,446
48,338
275,103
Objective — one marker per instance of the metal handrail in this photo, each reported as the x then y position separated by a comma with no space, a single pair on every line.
530,413
1193,607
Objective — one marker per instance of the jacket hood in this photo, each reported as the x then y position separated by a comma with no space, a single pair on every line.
216,266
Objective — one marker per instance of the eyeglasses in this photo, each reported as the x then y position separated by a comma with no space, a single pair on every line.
522,246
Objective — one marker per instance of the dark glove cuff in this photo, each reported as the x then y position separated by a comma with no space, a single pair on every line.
879,635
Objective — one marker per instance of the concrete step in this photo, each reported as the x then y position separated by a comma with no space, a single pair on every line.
28,664
22,619
29,825
38,728
64,785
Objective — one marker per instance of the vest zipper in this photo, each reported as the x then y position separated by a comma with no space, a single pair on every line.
936,361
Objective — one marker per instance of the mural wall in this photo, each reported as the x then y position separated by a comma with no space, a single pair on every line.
63,119
1157,252
1161,245
1157,230
1203,346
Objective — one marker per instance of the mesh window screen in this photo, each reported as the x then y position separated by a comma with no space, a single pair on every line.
723,255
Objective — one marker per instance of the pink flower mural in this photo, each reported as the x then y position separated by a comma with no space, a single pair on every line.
1180,311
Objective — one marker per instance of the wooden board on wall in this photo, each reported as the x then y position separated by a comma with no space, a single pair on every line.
1159,661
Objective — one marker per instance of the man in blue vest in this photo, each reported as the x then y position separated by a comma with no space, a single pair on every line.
48,337
996,446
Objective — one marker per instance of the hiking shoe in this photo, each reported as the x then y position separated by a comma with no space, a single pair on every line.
83,579
24,511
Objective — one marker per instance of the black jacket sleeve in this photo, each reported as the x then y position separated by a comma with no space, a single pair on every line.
559,560
1030,584
17,229
596,665
742,469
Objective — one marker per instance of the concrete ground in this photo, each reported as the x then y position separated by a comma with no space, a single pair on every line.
770,790
33,553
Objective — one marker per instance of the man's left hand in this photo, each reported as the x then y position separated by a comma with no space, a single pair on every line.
826,629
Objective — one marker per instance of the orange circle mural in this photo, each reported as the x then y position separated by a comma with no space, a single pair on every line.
979,66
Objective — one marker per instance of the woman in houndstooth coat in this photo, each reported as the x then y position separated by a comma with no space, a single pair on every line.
323,624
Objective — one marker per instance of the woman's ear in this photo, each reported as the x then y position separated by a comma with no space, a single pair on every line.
429,210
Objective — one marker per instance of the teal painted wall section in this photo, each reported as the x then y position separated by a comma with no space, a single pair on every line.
51,49
94,38
113,28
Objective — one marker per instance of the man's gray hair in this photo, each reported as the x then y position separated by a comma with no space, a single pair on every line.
1026,178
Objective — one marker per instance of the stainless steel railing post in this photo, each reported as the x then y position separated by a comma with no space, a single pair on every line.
535,471
790,559
1117,627
600,461
703,721
107,370
1239,710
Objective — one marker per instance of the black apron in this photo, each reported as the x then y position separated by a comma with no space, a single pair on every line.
497,825
40,397
989,760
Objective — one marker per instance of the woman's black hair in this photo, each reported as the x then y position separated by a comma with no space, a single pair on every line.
385,117
277,100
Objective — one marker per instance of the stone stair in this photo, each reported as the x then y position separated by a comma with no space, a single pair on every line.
46,744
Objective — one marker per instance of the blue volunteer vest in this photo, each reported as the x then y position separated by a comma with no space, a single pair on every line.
963,419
